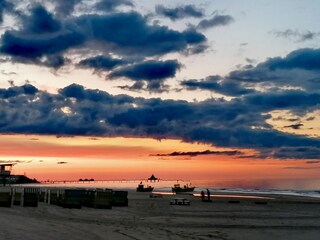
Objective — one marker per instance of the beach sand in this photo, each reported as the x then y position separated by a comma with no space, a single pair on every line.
283,217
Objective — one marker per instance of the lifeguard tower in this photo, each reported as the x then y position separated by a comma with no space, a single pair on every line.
5,171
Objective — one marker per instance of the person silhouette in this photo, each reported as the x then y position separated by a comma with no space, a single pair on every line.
202,196
208,194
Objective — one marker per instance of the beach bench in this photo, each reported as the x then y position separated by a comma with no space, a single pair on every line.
179,201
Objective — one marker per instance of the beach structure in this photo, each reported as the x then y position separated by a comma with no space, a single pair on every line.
101,198
51,196
42,195
153,178
120,198
25,196
70,198
5,172
5,169
7,178
30,197
5,197
98,198
17,196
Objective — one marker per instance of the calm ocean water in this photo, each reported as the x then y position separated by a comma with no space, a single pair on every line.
303,187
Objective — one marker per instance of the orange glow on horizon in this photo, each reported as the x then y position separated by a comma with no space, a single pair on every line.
52,158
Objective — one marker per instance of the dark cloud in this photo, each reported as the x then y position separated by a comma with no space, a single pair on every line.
217,84
16,91
129,34
302,168
5,6
43,39
253,74
216,21
154,86
74,110
18,45
296,35
179,12
12,161
66,7
303,152
148,70
41,22
111,5
245,137
312,162
154,73
310,118
294,126
295,100
299,69
137,86
94,138
62,162
306,59
194,154
293,119
54,61
80,93
101,62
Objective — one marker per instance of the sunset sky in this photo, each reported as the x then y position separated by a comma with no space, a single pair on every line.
114,89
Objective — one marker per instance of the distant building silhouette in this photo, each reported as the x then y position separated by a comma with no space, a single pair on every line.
153,178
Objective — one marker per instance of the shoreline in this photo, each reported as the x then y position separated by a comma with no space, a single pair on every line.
312,194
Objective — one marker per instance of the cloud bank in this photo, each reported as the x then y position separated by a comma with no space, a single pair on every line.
75,110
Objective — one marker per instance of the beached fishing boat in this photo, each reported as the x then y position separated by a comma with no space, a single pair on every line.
186,188
142,188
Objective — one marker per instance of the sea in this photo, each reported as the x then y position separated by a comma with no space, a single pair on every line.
294,187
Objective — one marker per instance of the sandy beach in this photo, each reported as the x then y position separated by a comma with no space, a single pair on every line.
277,217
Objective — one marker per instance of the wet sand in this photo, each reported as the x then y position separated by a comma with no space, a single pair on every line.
234,218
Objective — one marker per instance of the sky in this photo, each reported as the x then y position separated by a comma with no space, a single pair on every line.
114,89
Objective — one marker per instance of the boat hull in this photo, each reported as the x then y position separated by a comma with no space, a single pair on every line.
144,189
